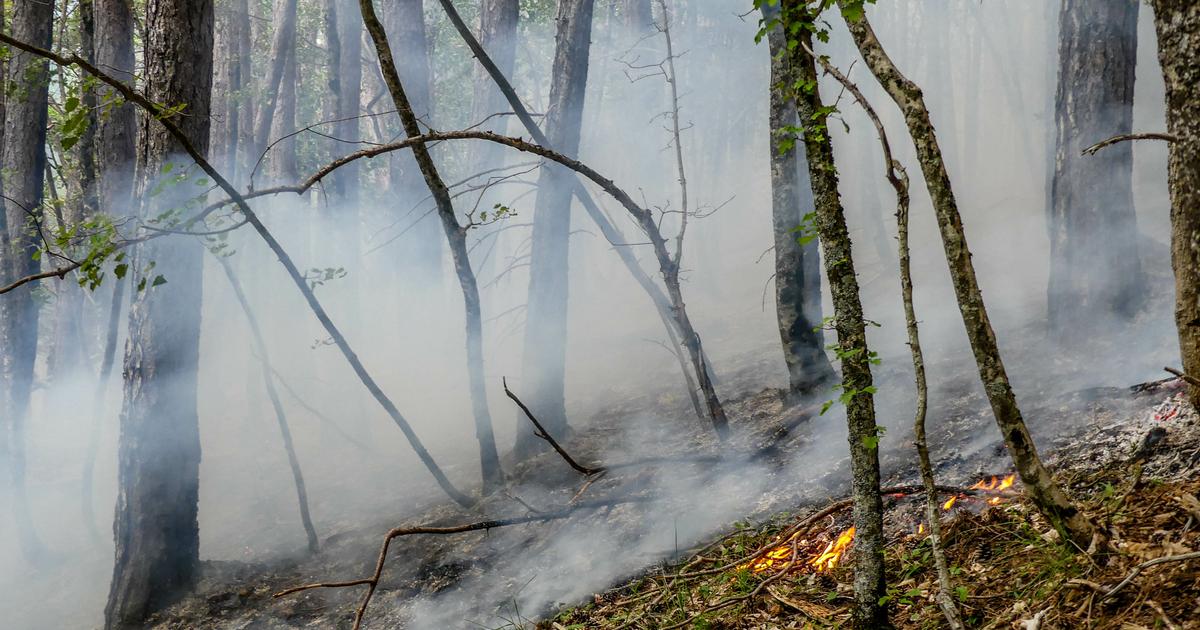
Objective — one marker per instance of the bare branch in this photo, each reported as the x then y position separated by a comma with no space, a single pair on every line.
541,432
1125,137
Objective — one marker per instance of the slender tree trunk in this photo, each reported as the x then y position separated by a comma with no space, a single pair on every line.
850,325
489,458
637,16
283,155
1052,502
156,531
1177,23
350,31
115,134
283,43
242,37
543,363
498,36
264,359
797,266
1094,263
24,167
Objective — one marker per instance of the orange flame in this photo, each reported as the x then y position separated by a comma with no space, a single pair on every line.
949,503
920,529
828,559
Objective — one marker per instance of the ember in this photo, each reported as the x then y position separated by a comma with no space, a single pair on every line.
949,503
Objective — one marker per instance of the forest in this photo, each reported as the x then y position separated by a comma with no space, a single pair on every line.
574,314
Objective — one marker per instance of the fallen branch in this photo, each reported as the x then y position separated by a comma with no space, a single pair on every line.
1125,137
540,431
372,582
1187,378
1146,565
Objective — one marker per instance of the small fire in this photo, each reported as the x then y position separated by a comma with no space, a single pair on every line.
949,503
828,559
779,556
920,529
995,484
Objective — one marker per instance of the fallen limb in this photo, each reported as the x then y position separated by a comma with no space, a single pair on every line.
372,582
540,431
1187,378
1112,592
1125,137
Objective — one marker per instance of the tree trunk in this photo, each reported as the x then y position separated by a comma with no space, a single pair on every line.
797,266
857,386
283,45
543,363
498,36
24,164
115,133
1046,494
405,24
349,87
1177,23
283,155
242,37
489,458
1094,264
156,531
637,16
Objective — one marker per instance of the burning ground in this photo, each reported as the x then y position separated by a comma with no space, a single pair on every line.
760,534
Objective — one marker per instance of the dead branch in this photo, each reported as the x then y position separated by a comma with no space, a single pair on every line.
541,432
1187,378
1125,137
372,582
1146,565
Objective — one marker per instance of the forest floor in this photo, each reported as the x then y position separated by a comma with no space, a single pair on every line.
668,536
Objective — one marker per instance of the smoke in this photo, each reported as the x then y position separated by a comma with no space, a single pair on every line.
988,72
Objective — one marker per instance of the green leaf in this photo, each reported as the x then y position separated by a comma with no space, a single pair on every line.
158,280
70,104
961,593
121,270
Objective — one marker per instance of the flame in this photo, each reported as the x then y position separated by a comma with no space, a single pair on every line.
995,484
949,503
1008,482
777,556
920,529
828,559
995,501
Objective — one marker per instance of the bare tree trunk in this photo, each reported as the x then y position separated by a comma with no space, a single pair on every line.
264,359
1177,23
24,166
797,266
1094,264
637,16
543,362
857,386
498,36
283,155
1051,501
349,86
489,458
242,81
283,44
157,535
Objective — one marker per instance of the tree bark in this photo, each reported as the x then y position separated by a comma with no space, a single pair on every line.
543,362
1177,23
857,384
156,531
242,37
797,266
349,77
1094,263
24,167
489,458
283,155
1051,501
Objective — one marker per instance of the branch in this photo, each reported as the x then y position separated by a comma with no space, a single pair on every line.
1166,137
372,582
541,432
1187,378
1146,565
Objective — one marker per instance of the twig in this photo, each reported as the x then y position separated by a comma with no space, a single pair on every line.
1166,137
1146,565
372,582
1187,378
541,432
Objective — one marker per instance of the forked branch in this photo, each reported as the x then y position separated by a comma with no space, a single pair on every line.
541,432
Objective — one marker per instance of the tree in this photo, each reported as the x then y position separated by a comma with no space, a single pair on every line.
870,586
115,132
1177,23
24,168
489,458
1094,263
283,46
498,21
797,265
156,532
1051,501
543,361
